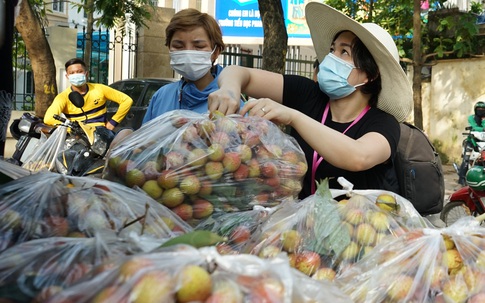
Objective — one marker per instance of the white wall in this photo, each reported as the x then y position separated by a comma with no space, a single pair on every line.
456,85
63,42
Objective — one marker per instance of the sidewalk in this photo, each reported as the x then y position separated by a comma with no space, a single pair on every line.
451,180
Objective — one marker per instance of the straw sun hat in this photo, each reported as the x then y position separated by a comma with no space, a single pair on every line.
396,97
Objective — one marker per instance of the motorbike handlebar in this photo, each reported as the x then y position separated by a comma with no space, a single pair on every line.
59,118
45,129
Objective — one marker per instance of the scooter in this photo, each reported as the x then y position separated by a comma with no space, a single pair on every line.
470,199
86,147
472,145
28,131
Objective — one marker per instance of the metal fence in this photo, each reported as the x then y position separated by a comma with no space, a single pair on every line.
105,45
295,64
113,53
23,80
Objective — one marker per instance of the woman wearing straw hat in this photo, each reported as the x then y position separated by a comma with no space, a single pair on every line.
347,123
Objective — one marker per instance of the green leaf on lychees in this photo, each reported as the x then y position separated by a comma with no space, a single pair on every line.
196,238
328,224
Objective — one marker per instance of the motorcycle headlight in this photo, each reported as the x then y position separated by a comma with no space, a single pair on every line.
25,125
100,146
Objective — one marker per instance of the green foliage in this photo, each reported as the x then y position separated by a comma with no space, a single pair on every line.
445,32
476,8
118,12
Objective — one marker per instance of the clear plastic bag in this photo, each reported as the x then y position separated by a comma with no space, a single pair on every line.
324,237
44,156
399,207
197,165
236,227
184,274
9,172
48,204
35,270
422,265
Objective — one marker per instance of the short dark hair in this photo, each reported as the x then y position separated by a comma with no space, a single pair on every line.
316,63
74,61
189,18
363,60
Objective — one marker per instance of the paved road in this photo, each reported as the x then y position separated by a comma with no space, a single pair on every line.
451,178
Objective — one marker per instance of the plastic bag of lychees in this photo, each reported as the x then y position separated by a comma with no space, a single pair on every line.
9,171
248,278
33,271
399,207
236,228
422,265
53,205
323,236
176,274
197,164
185,274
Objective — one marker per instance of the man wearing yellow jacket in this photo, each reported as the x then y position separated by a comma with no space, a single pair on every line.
95,97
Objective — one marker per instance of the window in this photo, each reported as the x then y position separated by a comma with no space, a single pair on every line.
58,6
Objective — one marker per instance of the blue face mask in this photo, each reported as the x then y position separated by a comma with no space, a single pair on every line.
332,77
77,79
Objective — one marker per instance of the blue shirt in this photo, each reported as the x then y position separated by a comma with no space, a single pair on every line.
181,95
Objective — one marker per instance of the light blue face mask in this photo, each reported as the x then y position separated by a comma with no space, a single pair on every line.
77,79
332,77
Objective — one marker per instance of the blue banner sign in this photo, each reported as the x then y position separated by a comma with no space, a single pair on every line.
241,18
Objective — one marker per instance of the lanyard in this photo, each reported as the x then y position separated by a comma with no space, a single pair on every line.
317,160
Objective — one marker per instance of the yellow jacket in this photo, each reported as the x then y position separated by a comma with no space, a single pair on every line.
94,106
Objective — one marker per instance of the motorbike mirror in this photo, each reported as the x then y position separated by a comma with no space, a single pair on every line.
76,99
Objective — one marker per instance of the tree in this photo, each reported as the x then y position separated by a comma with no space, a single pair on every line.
275,35
420,41
31,22
112,13
30,27
417,65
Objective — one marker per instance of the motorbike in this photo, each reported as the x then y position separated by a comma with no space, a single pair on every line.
28,131
86,146
472,145
84,150
469,200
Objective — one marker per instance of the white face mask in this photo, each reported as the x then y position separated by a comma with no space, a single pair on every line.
77,79
192,65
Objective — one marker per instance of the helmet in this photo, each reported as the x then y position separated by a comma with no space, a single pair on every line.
475,177
479,109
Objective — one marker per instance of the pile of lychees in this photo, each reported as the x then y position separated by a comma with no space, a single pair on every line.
197,164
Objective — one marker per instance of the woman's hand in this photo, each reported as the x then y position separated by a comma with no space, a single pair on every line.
225,101
269,109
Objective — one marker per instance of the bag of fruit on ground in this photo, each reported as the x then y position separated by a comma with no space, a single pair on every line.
399,207
35,270
48,204
236,228
423,265
184,274
197,164
322,236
